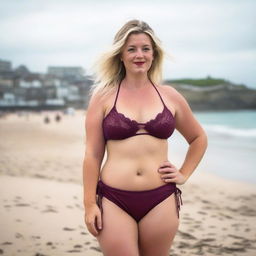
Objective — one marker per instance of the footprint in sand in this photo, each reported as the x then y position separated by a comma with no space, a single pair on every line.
236,237
174,254
72,251
236,225
183,245
233,249
186,235
50,208
22,205
68,229
40,176
78,246
208,240
35,237
202,213
187,218
18,235
207,208
7,243
79,206
95,248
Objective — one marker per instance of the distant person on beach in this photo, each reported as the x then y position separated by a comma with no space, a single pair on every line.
47,120
131,201
57,117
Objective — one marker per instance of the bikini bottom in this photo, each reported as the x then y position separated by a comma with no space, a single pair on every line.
138,203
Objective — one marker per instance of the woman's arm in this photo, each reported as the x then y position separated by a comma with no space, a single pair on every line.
94,153
194,134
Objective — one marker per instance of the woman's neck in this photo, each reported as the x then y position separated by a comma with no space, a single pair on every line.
135,82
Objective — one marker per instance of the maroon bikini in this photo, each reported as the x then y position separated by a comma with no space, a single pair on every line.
117,126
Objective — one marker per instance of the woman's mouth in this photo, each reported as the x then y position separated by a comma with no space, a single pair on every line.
139,63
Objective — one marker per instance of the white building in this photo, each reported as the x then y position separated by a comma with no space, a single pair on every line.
30,84
8,99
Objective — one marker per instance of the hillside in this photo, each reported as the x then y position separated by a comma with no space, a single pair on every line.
215,94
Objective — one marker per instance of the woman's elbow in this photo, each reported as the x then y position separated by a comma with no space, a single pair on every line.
200,139
204,139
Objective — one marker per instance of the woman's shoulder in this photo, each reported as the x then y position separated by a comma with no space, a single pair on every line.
170,92
102,98
177,99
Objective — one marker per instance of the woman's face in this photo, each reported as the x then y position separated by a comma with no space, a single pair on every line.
137,54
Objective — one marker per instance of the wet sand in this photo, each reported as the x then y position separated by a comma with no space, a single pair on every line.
41,197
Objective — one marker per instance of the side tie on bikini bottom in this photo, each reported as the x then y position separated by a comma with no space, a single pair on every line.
178,200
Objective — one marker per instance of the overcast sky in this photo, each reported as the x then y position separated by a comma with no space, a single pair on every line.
205,37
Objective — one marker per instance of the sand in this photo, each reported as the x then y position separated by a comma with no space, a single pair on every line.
41,197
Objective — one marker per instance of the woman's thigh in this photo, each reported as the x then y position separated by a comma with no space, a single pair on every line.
158,228
119,235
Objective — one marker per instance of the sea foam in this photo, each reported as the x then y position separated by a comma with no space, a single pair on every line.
231,131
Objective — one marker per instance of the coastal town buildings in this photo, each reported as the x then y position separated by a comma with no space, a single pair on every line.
60,87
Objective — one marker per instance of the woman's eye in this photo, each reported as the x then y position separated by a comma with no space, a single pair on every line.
130,49
146,49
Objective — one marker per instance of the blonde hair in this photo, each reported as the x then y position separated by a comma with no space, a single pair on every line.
110,70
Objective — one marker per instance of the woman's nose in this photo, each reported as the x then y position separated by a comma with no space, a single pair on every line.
139,53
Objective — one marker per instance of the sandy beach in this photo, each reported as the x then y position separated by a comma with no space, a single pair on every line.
41,197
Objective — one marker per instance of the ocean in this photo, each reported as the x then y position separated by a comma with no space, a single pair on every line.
231,151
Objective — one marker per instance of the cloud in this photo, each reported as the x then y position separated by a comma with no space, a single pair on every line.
42,33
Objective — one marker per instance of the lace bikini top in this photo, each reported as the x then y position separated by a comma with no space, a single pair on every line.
116,126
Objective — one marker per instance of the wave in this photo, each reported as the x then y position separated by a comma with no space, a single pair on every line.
231,131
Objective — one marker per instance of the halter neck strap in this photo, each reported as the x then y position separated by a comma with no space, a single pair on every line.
157,92
150,82
117,92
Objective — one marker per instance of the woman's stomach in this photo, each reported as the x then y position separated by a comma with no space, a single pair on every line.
132,164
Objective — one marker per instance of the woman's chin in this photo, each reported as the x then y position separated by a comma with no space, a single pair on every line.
139,71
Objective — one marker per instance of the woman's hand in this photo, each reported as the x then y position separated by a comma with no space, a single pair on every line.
169,173
93,219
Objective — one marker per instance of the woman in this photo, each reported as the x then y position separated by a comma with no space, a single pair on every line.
131,201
